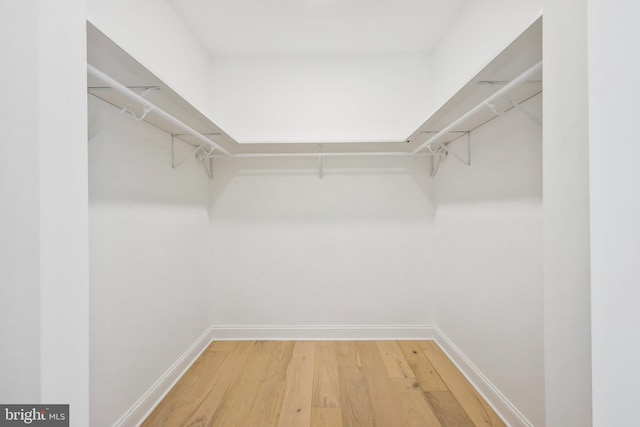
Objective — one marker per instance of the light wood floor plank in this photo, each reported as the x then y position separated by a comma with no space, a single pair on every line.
474,405
206,406
270,393
347,353
254,388
425,373
386,406
317,384
296,404
178,403
326,417
448,409
395,362
418,412
326,388
223,345
385,402
354,398
267,405
370,357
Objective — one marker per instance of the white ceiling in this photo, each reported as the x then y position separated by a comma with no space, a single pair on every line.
267,27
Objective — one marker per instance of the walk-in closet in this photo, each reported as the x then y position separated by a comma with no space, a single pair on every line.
320,212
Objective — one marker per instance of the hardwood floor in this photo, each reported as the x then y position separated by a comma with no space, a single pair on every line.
317,383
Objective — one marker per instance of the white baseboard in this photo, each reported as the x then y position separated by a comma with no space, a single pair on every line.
143,407
503,407
323,332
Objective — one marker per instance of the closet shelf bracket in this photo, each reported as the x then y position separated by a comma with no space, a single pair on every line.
152,108
434,140
126,109
201,153
176,163
207,161
443,150
523,110
435,163
467,161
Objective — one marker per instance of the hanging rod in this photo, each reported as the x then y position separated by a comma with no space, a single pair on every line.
522,78
505,82
150,107
319,154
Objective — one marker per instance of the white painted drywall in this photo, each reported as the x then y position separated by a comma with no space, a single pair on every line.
19,211
149,274
481,31
44,216
358,97
566,215
153,33
614,66
64,233
256,27
284,247
489,256
352,248
323,98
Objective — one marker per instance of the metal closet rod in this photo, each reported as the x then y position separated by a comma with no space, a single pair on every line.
150,107
522,78
321,154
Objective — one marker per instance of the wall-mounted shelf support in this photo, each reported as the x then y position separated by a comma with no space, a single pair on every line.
500,93
210,168
109,122
435,163
208,165
126,109
523,110
205,148
442,149
199,149
152,108
466,162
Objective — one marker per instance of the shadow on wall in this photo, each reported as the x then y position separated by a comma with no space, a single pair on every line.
356,189
506,161
506,164
130,161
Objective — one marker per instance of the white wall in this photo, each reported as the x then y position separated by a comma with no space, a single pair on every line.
44,175
482,30
149,234
320,98
324,98
284,247
566,215
615,208
359,97
19,214
489,253
64,234
153,33
352,248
